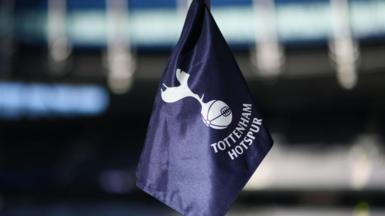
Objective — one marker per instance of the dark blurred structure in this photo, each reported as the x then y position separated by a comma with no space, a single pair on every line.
77,80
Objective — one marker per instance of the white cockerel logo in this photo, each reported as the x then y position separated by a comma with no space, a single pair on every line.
215,113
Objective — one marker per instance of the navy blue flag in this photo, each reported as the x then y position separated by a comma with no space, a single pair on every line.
205,137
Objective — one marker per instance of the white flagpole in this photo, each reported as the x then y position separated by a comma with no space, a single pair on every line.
268,55
343,49
120,61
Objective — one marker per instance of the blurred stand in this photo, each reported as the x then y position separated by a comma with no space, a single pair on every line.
69,144
312,166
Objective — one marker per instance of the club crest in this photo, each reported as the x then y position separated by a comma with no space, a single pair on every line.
216,114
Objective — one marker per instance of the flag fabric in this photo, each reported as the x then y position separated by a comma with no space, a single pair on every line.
206,136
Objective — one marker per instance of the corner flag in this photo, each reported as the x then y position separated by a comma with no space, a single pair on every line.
206,136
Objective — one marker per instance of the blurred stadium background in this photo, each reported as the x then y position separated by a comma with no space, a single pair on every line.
77,81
